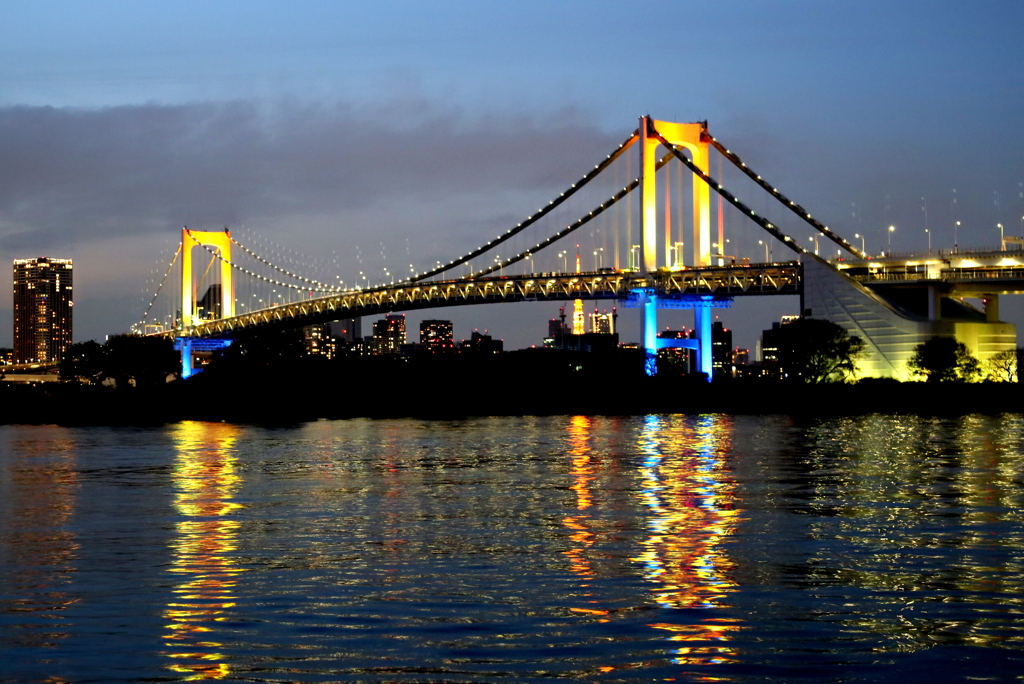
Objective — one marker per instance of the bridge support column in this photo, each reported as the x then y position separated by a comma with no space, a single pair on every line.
702,326
649,330
934,303
189,346
992,308
185,345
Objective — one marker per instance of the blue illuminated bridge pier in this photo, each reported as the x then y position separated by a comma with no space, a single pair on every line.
635,229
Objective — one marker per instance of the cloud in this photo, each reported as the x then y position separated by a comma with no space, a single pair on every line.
71,175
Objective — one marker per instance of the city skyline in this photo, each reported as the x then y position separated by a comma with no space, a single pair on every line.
403,131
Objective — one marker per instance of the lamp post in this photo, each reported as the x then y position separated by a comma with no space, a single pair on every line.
815,238
598,258
679,252
634,257
1002,238
891,230
929,234
956,228
766,259
565,261
858,235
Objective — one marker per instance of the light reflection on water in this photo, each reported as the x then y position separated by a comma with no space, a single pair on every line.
38,547
689,490
685,548
205,481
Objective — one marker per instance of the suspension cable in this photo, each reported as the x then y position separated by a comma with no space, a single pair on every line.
512,232
142,322
717,187
321,287
597,211
257,275
786,202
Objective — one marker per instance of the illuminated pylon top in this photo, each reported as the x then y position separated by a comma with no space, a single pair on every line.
221,242
694,137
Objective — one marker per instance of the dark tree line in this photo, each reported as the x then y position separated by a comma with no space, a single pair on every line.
122,361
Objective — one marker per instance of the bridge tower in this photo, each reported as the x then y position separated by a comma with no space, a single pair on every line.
188,346
694,137
220,241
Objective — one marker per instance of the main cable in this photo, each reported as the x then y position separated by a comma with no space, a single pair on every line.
512,232
786,202
717,187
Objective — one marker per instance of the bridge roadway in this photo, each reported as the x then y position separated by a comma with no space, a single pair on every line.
736,280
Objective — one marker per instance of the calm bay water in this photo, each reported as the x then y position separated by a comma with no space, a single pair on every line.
669,548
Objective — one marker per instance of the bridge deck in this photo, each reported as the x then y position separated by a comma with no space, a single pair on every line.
719,281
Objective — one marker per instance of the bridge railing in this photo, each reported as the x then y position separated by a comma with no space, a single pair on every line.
976,273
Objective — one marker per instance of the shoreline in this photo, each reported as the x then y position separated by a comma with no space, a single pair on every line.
290,401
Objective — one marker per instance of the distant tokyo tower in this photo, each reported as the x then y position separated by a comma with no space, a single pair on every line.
578,319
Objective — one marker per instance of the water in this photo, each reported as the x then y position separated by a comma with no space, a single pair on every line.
650,548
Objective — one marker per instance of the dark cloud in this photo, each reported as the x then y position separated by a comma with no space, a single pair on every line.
69,175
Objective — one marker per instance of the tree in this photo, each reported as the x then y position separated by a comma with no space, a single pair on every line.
1003,366
128,360
944,359
82,363
814,350
135,360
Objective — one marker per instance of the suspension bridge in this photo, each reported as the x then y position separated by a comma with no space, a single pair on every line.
633,221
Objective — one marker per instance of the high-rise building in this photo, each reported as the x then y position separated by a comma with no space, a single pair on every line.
481,343
389,334
603,323
209,305
350,330
721,349
319,341
436,336
42,309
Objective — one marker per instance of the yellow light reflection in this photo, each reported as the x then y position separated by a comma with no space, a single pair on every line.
205,481
689,491
582,474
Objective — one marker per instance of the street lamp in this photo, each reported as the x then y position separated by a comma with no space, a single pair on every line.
767,260
680,257
891,230
598,258
565,261
858,235
956,244
634,257
815,238
929,234
1002,238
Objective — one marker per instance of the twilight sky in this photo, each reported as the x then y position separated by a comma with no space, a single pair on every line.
327,126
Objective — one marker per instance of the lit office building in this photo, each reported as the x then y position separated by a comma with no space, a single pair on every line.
436,336
603,323
42,309
389,334
721,349
319,341
676,360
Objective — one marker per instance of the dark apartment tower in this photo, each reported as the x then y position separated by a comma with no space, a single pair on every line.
209,305
42,309
721,349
